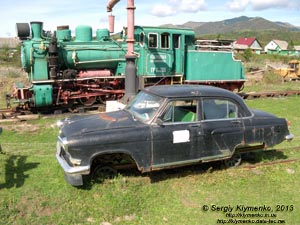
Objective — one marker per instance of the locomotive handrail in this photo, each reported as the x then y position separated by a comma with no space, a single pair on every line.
118,45
97,61
88,48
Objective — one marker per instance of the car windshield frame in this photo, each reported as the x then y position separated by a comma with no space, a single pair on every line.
145,106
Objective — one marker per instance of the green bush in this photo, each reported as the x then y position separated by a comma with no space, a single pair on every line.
248,54
9,57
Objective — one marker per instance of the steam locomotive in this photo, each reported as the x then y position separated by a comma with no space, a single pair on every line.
90,67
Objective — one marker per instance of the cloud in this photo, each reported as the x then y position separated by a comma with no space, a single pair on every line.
163,10
237,5
267,4
177,6
258,5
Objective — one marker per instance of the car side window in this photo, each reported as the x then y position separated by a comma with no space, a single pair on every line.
213,109
180,111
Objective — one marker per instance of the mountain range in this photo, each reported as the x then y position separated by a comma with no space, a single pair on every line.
242,23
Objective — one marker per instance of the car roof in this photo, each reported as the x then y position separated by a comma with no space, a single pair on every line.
175,91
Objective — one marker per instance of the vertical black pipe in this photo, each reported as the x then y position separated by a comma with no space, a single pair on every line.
53,57
130,79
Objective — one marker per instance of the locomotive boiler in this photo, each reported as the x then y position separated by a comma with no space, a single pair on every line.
88,67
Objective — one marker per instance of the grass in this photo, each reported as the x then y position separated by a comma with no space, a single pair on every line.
33,189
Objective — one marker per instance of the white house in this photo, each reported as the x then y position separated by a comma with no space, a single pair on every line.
277,46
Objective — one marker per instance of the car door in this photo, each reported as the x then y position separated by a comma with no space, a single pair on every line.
173,140
221,129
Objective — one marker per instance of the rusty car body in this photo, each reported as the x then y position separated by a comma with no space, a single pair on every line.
165,127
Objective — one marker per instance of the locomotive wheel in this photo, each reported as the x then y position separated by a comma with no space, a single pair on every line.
65,95
70,103
107,97
88,101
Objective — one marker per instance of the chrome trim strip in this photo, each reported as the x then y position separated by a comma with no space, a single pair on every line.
63,140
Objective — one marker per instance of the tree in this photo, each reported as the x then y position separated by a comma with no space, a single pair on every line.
4,53
291,45
248,54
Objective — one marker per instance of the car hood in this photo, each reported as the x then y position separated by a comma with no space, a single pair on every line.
79,125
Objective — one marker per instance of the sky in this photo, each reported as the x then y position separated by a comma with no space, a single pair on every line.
148,12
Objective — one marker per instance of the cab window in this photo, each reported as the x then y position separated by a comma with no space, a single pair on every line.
142,38
152,40
165,40
176,40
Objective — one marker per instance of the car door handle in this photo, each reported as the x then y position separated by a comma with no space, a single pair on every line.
236,121
195,125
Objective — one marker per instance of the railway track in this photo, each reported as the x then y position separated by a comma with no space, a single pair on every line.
257,165
14,115
269,94
10,114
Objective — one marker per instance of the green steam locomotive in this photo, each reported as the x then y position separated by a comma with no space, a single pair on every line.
89,67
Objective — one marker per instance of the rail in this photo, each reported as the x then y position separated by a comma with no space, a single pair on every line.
268,94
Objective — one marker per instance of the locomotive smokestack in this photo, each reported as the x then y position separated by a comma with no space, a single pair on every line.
36,30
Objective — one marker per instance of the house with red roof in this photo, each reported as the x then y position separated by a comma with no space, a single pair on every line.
242,44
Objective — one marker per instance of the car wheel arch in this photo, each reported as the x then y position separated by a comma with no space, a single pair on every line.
113,157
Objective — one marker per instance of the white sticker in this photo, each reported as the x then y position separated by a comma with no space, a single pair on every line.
181,136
